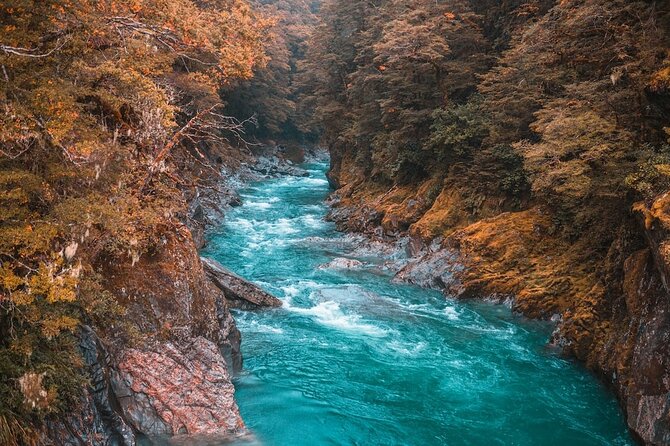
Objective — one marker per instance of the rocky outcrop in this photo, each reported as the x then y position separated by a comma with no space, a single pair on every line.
207,207
99,420
169,371
239,292
275,166
177,389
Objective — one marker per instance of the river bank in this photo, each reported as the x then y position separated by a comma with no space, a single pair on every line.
165,371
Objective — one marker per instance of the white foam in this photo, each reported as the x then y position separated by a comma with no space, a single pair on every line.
282,226
330,314
314,181
256,327
242,222
451,313
313,221
290,290
258,205
407,350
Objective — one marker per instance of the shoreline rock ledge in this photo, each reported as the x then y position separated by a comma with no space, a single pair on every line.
239,292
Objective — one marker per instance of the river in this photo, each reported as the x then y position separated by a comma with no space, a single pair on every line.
354,359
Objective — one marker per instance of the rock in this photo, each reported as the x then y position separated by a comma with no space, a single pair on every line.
434,270
342,263
174,378
97,422
274,166
175,389
239,292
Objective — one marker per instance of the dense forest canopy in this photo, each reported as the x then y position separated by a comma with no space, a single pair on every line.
527,102
424,87
273,94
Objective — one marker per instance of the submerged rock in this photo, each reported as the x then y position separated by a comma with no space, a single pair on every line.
239,292
342,263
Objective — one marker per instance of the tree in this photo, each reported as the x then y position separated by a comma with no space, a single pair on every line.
97,97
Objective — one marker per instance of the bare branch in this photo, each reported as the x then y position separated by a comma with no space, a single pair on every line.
164,36
207,125
33,52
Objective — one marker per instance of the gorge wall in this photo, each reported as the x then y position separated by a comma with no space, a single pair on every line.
115,154
522,147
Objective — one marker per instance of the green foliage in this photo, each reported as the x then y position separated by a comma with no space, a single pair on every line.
652,176
513,180
459,130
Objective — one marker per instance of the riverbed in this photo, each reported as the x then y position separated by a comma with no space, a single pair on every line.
354,359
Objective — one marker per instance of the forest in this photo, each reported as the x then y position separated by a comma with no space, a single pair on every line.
531,136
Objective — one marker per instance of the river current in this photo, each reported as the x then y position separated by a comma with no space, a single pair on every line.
354,359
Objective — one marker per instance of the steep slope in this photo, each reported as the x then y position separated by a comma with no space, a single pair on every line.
111,136
521,147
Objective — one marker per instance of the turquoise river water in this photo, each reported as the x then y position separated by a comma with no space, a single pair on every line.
354,359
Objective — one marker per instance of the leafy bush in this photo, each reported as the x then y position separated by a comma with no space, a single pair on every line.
458,131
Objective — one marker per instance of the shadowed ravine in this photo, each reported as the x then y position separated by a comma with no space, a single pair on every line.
352,358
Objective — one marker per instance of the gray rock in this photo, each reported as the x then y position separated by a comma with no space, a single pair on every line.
239,292
434,270
342,263
273,166
98,420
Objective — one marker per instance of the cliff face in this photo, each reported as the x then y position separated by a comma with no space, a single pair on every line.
165,369
172,374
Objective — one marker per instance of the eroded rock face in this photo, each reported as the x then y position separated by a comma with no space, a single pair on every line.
177,389
239,292
98,421
434,270
642,370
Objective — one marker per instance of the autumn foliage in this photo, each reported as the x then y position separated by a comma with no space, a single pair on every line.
512,103
93,163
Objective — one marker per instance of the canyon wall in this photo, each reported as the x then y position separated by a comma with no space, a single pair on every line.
522,148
